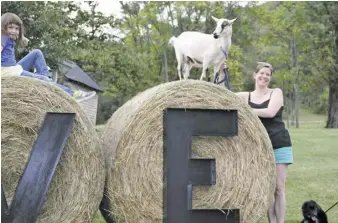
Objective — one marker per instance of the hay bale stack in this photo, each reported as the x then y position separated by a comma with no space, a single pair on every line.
77,187
133,142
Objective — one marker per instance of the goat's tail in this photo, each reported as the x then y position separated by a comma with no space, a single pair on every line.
172,40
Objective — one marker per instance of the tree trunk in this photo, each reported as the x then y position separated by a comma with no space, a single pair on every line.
165,64
297,102
287,114
292,107
286,105
297,96
332,121
179,19
294,56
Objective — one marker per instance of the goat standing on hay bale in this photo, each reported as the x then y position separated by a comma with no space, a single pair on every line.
196,49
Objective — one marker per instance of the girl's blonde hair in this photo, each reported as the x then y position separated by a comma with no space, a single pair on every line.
11,18
260,65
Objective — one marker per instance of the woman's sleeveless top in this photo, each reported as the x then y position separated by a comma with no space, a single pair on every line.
275,126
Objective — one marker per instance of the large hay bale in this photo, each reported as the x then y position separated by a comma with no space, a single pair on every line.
77,187
133,142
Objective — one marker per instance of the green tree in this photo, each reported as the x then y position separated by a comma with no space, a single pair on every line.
287,34
47,27
298,38
325,14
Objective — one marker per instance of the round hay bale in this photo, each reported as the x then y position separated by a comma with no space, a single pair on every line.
133,142
76,189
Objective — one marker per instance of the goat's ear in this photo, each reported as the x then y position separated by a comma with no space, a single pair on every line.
214,18
232,21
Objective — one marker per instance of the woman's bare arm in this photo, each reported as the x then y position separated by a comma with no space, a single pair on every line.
276,102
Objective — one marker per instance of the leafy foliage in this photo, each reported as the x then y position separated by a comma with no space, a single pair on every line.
130,54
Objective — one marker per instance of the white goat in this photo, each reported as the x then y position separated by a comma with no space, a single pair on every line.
196,49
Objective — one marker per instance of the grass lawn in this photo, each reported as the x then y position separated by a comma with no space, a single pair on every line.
314,174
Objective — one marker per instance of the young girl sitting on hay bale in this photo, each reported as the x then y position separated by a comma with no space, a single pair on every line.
11,34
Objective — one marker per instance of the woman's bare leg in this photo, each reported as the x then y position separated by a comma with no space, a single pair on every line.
276,213
272,213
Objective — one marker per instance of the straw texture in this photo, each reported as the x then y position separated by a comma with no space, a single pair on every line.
77,187
133,143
